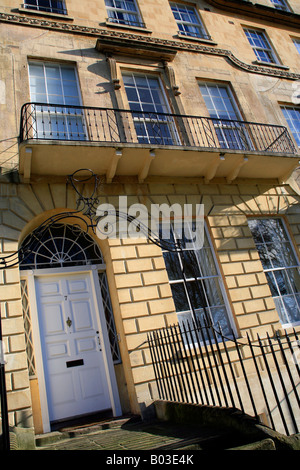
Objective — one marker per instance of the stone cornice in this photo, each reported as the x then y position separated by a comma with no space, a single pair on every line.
257,10
147,42
131,44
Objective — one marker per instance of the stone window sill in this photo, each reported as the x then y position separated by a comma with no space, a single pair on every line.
200,40
126,26
268,64
46,14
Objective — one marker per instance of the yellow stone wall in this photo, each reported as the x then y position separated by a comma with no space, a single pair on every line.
258,95
139,288
138,282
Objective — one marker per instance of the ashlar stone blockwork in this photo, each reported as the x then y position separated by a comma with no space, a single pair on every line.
138,282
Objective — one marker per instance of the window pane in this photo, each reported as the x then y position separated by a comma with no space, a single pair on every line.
132,94
206,262
56,84
292,116
52,72
70,88
220,318
280,5
68,73
280,264
222,108
294,278
199,293
52,6
180,297
260,45
144,93
36,70
172,265
297,44
125,12
212,288
188,21
128,79
219,102
54,87
190,264
37,85
272,243
38,97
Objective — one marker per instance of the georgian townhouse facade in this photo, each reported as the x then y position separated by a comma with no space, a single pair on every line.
164,103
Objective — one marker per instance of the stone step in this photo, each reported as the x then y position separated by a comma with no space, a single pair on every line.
70,432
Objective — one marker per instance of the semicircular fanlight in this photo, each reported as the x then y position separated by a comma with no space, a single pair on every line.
59,246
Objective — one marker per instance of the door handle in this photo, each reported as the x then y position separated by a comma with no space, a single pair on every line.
69,322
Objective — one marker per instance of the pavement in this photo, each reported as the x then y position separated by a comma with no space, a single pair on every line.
130,434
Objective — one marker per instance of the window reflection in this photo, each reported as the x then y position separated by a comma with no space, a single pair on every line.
280,265
196,285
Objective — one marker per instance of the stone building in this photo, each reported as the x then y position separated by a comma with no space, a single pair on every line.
168,103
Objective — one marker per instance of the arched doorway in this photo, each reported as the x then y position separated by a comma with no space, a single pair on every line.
71,323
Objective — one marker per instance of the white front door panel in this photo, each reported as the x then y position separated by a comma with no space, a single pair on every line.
75,376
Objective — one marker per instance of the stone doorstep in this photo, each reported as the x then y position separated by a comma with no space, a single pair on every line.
206,440
210,439
77,431
52,441
21,438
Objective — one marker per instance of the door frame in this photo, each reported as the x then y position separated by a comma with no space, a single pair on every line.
92,271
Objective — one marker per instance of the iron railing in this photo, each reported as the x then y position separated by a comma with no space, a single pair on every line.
81,123
195,363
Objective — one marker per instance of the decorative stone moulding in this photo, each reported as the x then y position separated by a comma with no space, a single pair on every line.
113,71
133,45
129,43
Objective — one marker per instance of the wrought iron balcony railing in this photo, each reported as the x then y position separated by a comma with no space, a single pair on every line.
42,121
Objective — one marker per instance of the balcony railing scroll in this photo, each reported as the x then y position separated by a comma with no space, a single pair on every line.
40,121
